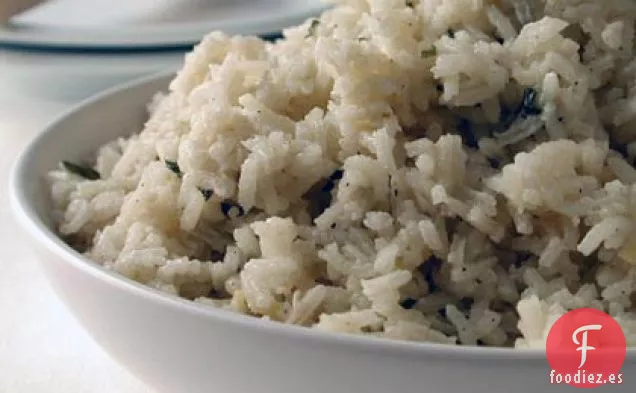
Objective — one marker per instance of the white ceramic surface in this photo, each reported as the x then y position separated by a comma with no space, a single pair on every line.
150,23
178,346
75,76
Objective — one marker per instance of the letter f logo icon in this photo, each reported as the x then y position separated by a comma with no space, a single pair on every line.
583,343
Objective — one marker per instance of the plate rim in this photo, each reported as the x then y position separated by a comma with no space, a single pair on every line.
165,37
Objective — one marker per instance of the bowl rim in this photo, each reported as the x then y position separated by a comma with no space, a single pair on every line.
34,225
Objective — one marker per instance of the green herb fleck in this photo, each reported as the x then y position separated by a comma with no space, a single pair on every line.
465,128
329,186
207,194
311,32
451,33
430,270
528,104
319,197
85,172
337,174
174,167
465,304
228,205
526,108
408,303
429,52
521,257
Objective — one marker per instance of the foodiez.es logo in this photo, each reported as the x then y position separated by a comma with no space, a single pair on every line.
586,348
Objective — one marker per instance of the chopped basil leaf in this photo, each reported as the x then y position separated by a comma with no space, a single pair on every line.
337,174
174,167
216,255
494,163
311,32
528,107
429,52
465,129
329,185
429,270
620,148
318,197
408,303
227,206
207,194
521,257
85,172
465,304
528,104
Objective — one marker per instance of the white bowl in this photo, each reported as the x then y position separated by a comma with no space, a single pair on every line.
178,346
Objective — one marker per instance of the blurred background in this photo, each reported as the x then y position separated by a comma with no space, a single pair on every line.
69,49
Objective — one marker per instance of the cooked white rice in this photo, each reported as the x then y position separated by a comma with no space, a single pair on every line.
455,171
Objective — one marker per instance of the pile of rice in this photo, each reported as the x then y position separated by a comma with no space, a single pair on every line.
453,171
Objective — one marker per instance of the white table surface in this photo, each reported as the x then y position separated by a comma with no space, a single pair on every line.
42,348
